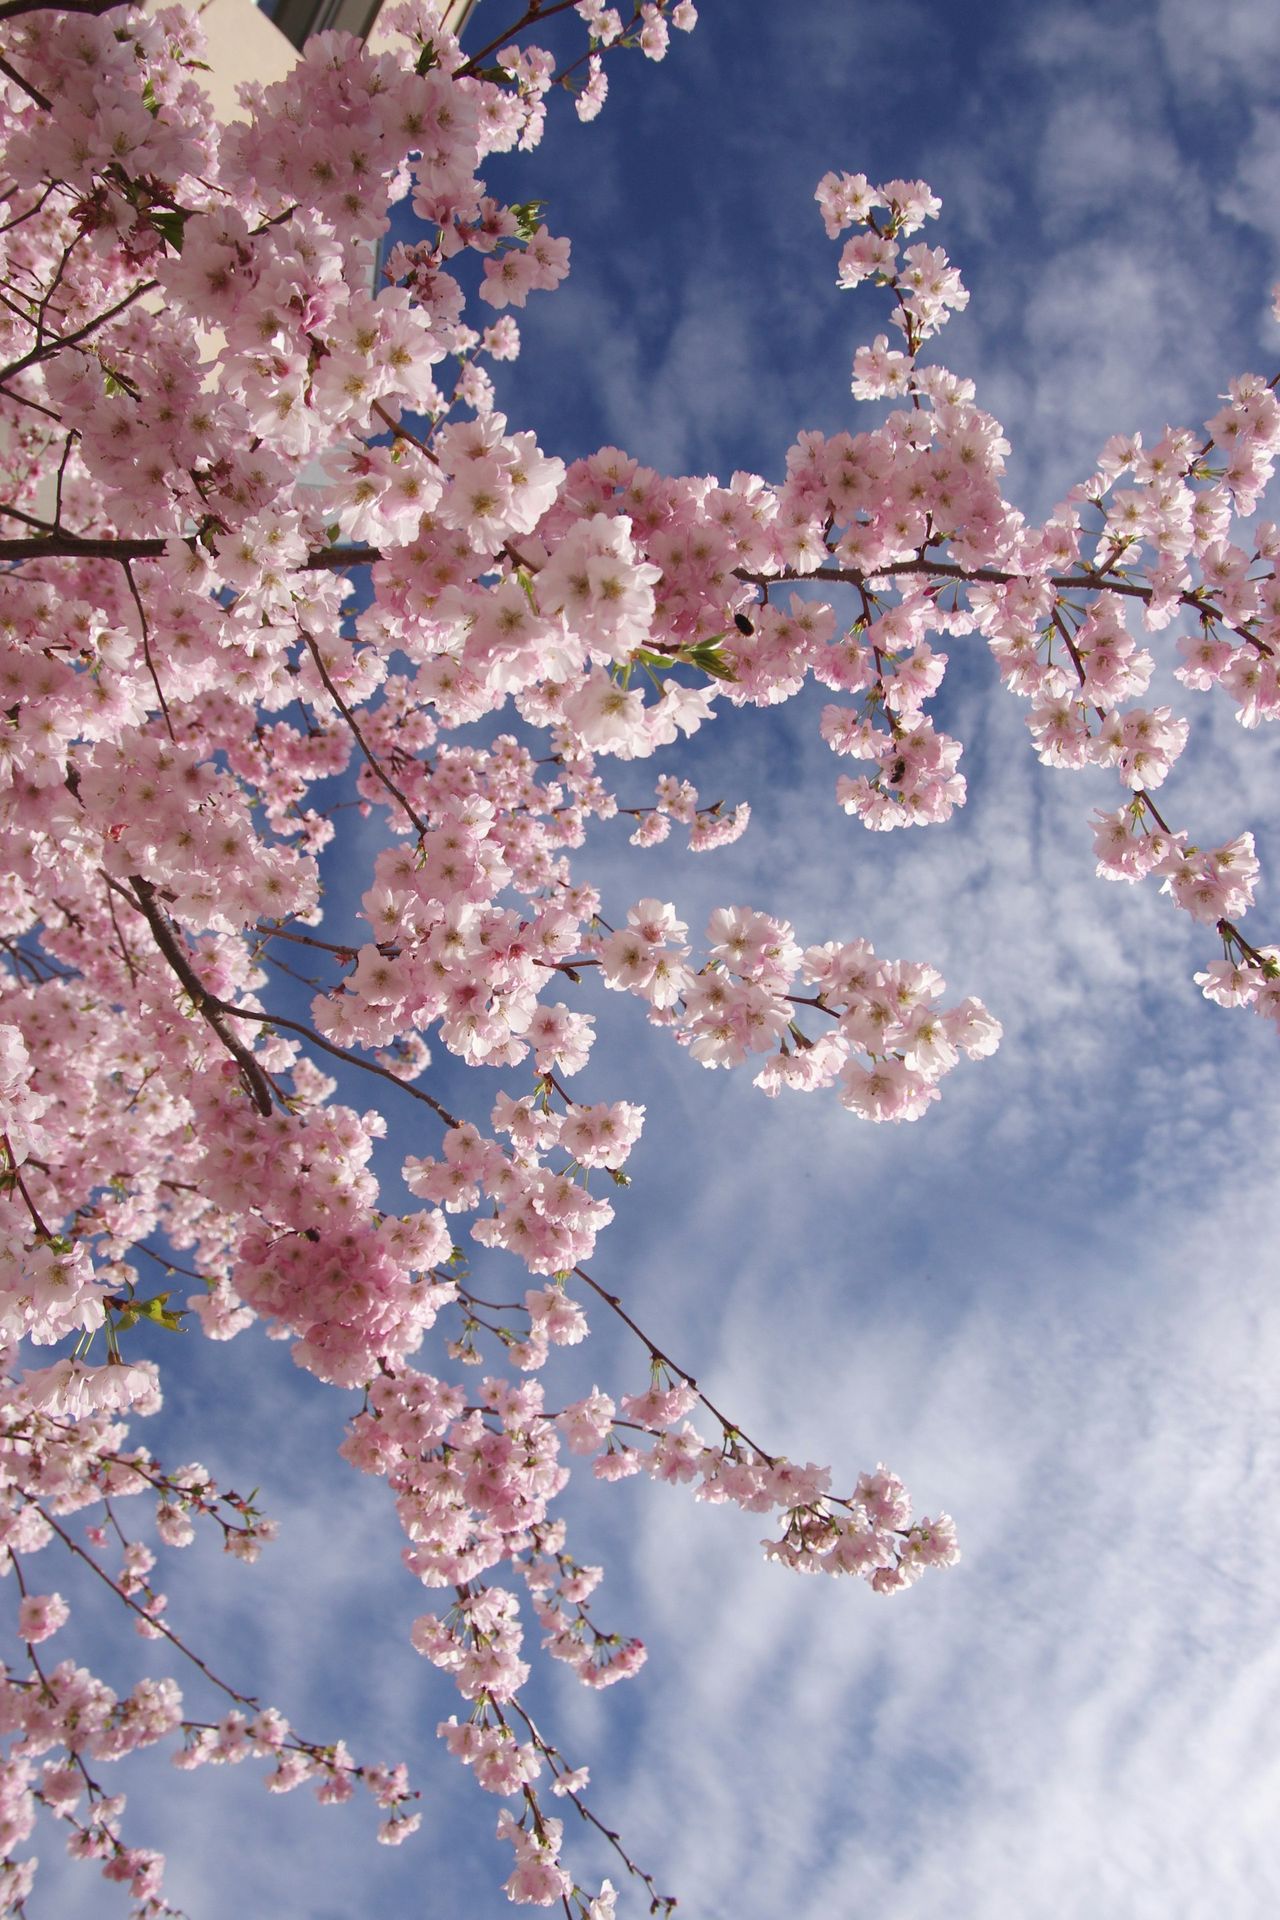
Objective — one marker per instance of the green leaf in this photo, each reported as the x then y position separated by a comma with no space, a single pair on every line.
170,225
707,655
528,215
156,1310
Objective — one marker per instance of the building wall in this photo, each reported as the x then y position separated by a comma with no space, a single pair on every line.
245,44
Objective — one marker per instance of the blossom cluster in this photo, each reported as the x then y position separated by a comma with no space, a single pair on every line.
213,411
53,1465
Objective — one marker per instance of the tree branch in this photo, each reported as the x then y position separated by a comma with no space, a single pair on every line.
339,1053
35,94
14,9
365,749
74,546
204,1002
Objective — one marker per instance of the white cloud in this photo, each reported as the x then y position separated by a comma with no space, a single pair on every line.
1224,56
1250,196
1075,1718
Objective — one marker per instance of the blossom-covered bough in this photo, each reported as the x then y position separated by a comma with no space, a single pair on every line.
210,419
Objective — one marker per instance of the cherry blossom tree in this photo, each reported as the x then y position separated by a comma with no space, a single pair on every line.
272,561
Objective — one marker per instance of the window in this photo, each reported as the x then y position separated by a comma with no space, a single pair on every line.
299,19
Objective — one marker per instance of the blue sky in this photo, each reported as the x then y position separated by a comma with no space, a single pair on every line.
1051,1304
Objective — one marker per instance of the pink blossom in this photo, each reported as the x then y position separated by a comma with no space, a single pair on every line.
40,1615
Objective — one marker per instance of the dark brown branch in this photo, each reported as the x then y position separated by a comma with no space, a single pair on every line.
62,474
35,206
365,749
46,527
339,1053
36,406
121,942
346,954
1088,582
73,546
672,1366
33,93
209,1008
20,1183
146,650
534,13
1154,811
658,1902
14,9
73,1546
61,340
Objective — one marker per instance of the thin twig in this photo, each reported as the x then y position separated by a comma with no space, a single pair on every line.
363,745
15,1175
56,344
146,650
244,1699
672,1366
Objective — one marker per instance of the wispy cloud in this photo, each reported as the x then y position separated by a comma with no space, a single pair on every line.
1071,1719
